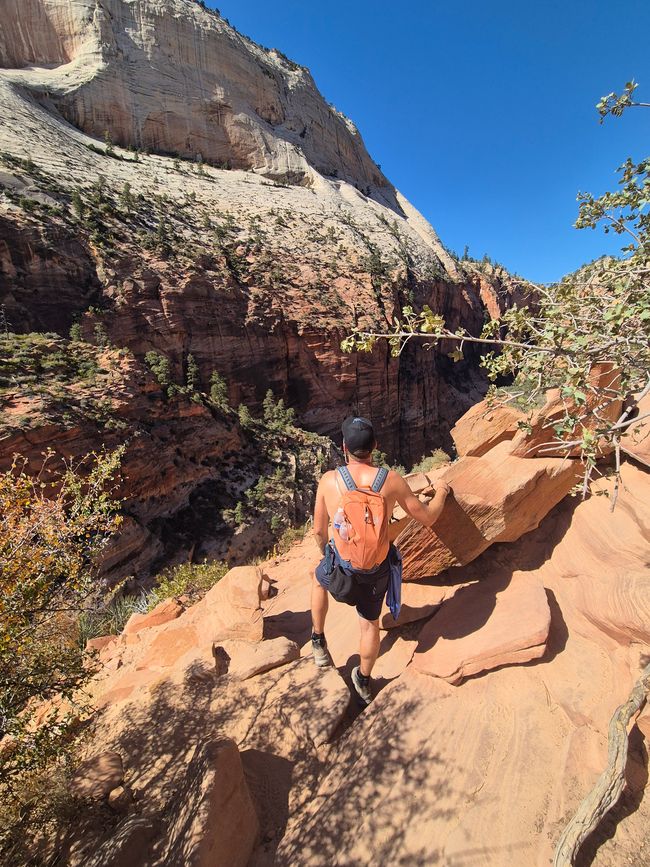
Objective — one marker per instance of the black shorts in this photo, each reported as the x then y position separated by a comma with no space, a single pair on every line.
371,592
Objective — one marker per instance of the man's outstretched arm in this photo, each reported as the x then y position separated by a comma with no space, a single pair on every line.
426,514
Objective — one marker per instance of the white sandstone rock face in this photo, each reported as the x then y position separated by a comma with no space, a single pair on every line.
169,76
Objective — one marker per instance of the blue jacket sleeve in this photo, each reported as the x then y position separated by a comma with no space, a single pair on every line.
394,595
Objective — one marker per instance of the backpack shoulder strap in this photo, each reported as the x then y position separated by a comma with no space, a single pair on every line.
346,475
380,478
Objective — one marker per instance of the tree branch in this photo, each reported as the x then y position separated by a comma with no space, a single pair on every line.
611,782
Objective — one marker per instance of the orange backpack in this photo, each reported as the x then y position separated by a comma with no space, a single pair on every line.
361,522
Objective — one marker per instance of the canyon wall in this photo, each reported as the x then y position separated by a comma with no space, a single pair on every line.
255,260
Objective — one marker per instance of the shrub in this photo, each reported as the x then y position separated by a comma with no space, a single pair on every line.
127,198
50,535
430,462
187,579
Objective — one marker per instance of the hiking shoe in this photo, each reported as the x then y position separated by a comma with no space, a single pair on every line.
361,687
320,652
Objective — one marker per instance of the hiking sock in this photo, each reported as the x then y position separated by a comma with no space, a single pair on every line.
364,679
318,636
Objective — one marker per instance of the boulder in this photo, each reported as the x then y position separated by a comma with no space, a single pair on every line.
231,609
540,440
96,777
119,799
214,823
484,626
168,609
299,702
484,426
496,498
244,659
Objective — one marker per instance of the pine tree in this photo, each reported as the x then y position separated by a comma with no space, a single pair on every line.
219,391
193,375
245,417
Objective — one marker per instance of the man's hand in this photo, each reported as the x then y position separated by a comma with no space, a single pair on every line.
437,503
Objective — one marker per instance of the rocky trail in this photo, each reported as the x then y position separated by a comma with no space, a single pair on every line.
489,726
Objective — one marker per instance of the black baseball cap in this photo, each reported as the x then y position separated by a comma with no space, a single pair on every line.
358,434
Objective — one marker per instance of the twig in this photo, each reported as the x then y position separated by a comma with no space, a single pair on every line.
617,452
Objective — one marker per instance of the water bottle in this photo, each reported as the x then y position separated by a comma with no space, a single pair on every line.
340,524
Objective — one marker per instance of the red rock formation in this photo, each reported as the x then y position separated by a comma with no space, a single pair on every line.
496,498
483,627
258,281
483,427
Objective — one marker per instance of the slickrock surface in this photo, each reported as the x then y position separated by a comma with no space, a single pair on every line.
487,770
485,626
496,498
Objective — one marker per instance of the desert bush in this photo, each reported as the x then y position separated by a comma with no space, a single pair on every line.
430,462
52,528
187,579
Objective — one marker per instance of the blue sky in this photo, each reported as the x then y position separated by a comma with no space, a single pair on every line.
481,113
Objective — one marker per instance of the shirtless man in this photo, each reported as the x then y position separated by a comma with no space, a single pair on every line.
358,444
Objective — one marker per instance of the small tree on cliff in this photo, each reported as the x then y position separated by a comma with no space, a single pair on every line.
219,391
193,375
276,416
50,536
600,314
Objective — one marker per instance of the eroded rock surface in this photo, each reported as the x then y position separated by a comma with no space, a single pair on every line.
483,427
493,765
496,498
485,626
